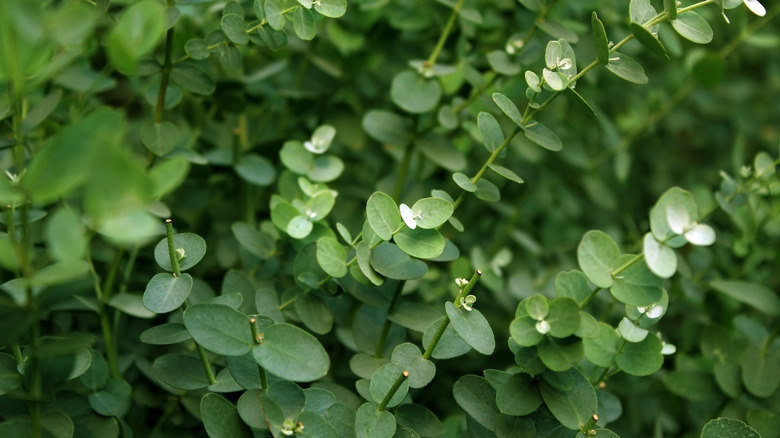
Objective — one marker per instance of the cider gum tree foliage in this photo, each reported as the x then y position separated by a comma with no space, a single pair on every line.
389,218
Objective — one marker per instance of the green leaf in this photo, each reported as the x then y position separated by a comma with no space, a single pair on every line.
273,14
506,173
637,285
383,215
387,127
601,350
475,395
166,293
624,67
299,227
519,395
131,304
581,100
295,157
256,170
332,257
433,212
304,24
165,334
220,329
409,357
382,382
692,385
234,27
250,238
597,255
65,235
573,408
441,151
508,107
221,419
728,428
159,138
450,344
370,422
325,168
674,198
500,62
291,353
197,49
693,27
314,313
181,371
194,249
464,182
136,33
536,306
414,93
600,39
755,295
670,6
543,136
487,191
331,8
648,40
42,111
631,332
641,11
524,332
574,285
661,259
564,317
420,419
363,258
642,358
473,327
189,77
492,135
560,354
419,242
760,372
113,400
390,261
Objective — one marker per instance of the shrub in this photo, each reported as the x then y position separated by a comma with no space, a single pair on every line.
393,218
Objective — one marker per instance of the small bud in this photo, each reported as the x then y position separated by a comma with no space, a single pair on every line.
468,302
564,64
180,254
543,327
461,282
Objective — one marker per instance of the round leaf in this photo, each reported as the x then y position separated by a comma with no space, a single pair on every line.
475,395
473,327
487,191
383,215
560,354
661,259
700,235
420,243
464,182
390,261
414,93
113,400
304,24
597,255
194,249
564,317
331,8
332,257
641,358
370,422
387,127
165,293
421,371
291,353
693,27
492,135
383,380
728,428
543,136
181,371
508,107
219,328
273,14
159,138
519,395
637,286
234,27
626,68
431,212
256,170
573,408
221,419
136,33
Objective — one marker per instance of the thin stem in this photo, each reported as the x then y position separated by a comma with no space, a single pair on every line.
172,248
380,345
393,389
165,74
444,34
440,331
403,172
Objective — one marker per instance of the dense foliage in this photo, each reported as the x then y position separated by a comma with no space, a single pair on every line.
389,218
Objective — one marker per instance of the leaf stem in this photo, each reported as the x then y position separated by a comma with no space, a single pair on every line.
165,72
440,331
393,389
444,35
172,248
